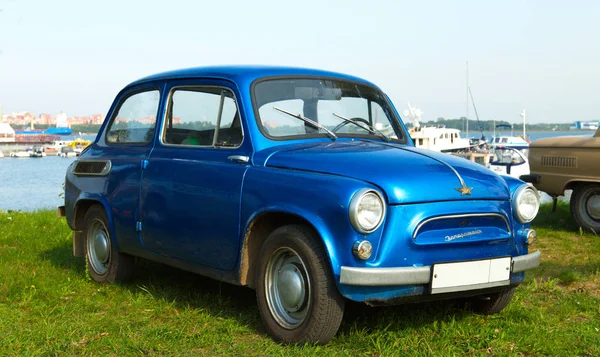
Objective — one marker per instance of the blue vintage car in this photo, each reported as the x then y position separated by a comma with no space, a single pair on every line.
302,184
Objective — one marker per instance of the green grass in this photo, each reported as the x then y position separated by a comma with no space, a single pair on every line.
48,306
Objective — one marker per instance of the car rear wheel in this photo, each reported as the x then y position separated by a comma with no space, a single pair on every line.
492,303
297,296
104,263
585,207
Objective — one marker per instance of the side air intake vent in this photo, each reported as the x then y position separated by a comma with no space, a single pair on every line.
92,167
559,161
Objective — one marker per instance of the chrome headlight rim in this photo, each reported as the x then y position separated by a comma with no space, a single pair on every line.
353,209
515,204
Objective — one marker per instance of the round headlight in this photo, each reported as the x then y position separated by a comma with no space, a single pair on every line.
367,210
526,203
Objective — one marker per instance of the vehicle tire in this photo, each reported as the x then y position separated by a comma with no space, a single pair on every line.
297,296
104,263
492,303
585,206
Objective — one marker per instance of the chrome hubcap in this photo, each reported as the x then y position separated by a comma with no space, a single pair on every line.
593,206
287,288
98,247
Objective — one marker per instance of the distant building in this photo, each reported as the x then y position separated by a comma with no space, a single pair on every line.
585,125
61,120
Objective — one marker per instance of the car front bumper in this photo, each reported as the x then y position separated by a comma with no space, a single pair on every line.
404,276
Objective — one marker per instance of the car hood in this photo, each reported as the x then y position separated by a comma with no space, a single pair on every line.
404,173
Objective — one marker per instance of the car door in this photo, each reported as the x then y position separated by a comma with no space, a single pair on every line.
126,143
191,186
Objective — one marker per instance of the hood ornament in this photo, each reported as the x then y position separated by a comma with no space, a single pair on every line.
464,190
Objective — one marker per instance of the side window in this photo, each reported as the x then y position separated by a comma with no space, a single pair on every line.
203,117
136,119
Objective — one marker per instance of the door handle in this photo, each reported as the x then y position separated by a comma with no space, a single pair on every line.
239,158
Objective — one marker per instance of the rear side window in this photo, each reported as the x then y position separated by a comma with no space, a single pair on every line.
136,119
203,116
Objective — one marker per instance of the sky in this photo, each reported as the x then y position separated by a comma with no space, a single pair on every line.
542,56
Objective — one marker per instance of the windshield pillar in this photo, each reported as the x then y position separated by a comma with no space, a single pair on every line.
310,111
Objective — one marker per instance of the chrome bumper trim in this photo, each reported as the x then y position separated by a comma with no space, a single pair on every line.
415,275
526,262
452,289
385,276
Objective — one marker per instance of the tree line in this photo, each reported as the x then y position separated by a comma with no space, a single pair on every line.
488,125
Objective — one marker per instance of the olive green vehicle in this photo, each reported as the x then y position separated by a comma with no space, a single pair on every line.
569,163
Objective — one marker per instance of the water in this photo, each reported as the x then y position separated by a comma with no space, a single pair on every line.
531,135
28,184
36,183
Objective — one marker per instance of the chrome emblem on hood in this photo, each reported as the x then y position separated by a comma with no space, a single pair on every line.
464,190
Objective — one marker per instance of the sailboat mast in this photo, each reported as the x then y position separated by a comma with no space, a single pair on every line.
467,115
523,115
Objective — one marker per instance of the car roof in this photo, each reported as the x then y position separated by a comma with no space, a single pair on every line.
247,73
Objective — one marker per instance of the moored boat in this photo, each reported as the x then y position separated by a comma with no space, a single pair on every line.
79,145
20,153
436,138
54,147
37,151
67,151
513,142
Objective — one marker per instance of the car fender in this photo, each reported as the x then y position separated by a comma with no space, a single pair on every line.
327,238
102,200
321,200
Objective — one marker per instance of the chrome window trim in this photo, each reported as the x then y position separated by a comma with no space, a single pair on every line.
199,86
420,225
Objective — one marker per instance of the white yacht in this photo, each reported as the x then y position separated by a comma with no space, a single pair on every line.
67,151
37,151
510,152
436,138
514,142
55,146
20,154
510,141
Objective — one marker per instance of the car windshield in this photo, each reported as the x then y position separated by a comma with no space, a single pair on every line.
328,102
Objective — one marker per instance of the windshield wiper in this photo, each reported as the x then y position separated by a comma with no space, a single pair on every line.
367,128
310,122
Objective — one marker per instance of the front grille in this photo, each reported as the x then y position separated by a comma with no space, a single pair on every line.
559,161
92,167
462,228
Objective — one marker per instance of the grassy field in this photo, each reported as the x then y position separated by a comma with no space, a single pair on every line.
48,306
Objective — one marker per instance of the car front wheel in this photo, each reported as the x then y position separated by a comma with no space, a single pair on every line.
104,263
585,206
297,296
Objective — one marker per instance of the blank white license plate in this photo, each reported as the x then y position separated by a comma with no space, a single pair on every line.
478,274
